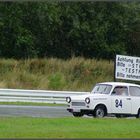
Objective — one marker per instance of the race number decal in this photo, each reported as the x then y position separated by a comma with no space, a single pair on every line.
118,103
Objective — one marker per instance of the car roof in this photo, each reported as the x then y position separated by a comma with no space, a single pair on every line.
119,84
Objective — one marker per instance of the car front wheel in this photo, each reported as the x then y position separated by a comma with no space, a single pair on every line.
99,112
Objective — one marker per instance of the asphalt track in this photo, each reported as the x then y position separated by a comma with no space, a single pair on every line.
34,111
38,111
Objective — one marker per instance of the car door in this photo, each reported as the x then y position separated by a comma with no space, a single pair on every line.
120,100
135,98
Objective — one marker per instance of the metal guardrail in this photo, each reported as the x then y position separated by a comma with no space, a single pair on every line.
38,96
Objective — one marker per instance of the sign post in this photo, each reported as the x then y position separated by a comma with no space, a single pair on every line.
115,69
127,67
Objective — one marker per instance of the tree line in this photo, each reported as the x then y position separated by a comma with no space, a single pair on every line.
67,29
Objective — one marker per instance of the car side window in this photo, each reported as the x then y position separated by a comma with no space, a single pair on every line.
120,90
134,91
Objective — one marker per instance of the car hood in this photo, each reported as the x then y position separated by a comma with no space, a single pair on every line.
82,97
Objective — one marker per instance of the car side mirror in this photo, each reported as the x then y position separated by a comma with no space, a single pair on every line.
113,92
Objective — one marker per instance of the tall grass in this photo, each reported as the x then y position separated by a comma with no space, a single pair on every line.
76,74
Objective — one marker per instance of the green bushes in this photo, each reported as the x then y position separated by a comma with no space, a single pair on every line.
76,74
56,81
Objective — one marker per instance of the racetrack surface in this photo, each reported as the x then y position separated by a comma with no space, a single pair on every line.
34,111
38,111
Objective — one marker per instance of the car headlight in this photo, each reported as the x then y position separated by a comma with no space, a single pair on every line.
68,99
87,100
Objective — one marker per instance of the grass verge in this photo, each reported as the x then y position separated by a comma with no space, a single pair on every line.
14,127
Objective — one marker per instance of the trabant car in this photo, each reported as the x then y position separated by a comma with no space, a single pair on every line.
114,98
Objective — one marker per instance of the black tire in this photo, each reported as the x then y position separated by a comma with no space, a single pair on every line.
77,114
99,112
138,115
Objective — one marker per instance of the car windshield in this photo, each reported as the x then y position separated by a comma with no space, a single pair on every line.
101,89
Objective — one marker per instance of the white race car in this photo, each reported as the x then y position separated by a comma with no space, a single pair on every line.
118,98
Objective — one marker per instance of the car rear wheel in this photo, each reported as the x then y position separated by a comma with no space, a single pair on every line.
138,115
77,114
99,112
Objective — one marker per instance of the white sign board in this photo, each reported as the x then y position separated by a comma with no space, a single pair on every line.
127,67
